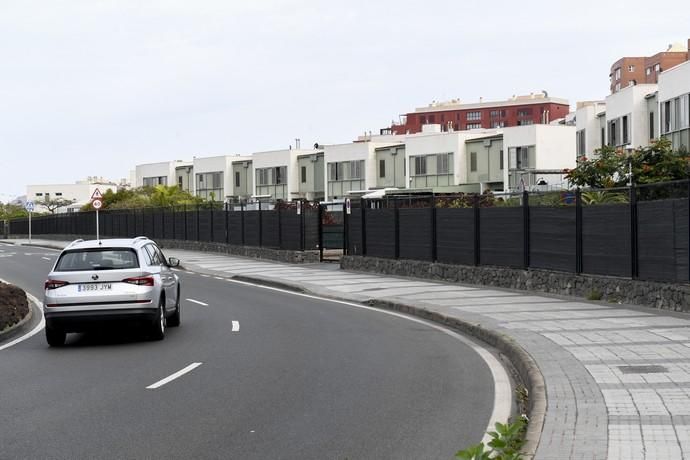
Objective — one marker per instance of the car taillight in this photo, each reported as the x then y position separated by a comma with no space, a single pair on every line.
140,280
54,284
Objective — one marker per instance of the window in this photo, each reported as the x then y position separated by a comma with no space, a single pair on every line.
666,117
524,112
39,194
498,124
525,122
179,181
303,174
657,68
262,176
153,181
618,86
651,125
580,141
422,119
346,170
474,116
473,161
442,163
420,166
237,179
500,161
617,74
279,174
603,137
356,169
631,68
474,125
613,132
432,119
58,193
382,168
649,70
626,139
519,157
498,113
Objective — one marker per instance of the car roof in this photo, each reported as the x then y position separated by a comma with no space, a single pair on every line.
109,243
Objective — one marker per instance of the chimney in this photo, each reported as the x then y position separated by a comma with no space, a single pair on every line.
297,143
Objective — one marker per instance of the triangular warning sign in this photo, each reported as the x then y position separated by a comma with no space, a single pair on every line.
97,195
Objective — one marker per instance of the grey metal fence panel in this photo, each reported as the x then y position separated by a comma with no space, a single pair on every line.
662,235
354,236
291,233
235,227
311,229
606,239
219,227
502,236
251,228
455,235
270,229
192,225
167,224
147,222
205,230
415,230
380,232
553,238
180,224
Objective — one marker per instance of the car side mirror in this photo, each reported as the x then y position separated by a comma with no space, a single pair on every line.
173,261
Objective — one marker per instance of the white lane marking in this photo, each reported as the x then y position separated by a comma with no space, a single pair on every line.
198,302
503,395
218,278
45,258
174,376
205,276
235,326
33,331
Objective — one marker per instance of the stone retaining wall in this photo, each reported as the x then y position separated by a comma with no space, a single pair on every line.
668,296
279,255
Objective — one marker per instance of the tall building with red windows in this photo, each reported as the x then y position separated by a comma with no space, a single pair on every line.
634,70
454,115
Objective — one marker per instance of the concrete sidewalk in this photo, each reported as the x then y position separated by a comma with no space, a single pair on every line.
617,377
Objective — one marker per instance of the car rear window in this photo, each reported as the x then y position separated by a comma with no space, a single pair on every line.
97,259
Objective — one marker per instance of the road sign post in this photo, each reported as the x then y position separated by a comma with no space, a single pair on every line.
29,206
97,203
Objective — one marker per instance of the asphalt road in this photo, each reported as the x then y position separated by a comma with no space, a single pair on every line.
281,376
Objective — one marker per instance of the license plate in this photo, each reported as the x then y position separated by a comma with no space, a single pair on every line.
94,287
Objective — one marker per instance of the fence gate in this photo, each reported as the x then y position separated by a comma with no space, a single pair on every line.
332,234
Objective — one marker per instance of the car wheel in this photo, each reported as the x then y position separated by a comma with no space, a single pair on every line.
174,320
55,337
158,326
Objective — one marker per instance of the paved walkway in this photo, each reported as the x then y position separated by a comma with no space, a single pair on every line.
617,377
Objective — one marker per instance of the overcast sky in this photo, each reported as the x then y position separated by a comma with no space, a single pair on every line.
92,88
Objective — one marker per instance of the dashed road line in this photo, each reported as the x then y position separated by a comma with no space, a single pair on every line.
174,376
197,302
235,326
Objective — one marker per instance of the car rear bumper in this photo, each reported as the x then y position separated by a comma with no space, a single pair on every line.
77,321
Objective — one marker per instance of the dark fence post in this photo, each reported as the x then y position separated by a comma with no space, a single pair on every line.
477,241
396,217
280,228
213,210
301,226
633,232
434,249
320,232
185,222
525,227
174,234
578,231
364,227
227,217
346,229
261,226
198,236
242,220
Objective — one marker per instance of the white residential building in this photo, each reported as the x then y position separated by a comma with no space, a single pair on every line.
350,167
674,105
589,135
165,173
627,116
213,177
78,193
276,174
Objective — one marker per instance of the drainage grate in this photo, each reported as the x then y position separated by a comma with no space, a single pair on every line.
651,369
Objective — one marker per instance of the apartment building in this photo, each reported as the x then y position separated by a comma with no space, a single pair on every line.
276,174
535,108
78,193
590,125
311,169
627,116
391,167
630,71
167,173
242,173
674,105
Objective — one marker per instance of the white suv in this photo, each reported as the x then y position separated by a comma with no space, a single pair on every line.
104,282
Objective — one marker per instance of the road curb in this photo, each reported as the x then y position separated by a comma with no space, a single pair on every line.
526,367
21,323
